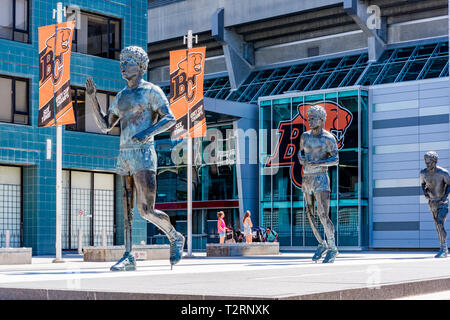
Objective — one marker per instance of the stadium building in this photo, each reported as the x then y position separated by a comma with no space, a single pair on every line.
380,68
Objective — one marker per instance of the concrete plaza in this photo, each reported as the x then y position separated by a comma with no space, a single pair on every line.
289,275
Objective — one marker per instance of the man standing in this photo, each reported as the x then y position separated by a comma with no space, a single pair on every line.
143,111
320,152
435,183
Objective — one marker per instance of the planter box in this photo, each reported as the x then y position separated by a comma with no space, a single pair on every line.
242,249
15,255
114,253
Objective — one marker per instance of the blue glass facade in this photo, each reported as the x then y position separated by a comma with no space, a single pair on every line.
25,145
282,205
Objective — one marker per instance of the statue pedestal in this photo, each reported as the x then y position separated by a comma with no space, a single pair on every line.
15,256
242,249
114,253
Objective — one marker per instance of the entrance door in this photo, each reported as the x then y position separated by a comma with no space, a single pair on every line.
88,209
10,205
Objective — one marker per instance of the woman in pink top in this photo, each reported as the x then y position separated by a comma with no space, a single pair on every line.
221,226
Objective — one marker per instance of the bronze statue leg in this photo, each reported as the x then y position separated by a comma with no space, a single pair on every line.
323,207
311,216
145,182
127,262
128,204
439,217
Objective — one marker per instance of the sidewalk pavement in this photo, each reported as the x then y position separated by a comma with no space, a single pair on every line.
290,275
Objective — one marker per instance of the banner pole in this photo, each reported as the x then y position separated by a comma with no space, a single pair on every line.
58,258
189,162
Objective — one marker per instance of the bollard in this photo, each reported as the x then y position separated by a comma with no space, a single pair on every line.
80,241
103,237
7,238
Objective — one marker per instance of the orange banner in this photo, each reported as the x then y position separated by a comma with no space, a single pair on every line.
186,92
55,101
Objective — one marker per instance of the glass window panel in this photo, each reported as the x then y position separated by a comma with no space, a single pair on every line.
436,67
413,70
442,49
103,181
371,74
21,96
97,36
20,36
251,77
385,56
10,205
425,51
350,136
81,215
281,223
6,20
5,97
266,90
211,93
207,84
349,61
301,83
403,54
82,34
296,70
353,77
223,93
319,81
284,86
80,111
298,223
265,150
21,119
219,83
234,96
363,60
263,76
249,93
331,64
114,28
313,67
279,73
21,14
335,79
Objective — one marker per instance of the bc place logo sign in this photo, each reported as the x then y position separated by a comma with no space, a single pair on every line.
286,153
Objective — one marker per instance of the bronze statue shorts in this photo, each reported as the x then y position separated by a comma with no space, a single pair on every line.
135,159
314,183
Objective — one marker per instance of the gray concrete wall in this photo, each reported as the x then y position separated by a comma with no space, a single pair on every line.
408,119
328,45
174,20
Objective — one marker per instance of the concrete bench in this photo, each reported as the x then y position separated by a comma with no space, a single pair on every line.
242,249
15,255
114,253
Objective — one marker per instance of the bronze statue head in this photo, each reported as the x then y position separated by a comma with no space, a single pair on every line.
133,61
315,114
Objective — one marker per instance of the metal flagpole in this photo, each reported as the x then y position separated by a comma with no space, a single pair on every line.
59,18
189,39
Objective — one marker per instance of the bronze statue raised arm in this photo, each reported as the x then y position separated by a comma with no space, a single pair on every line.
435,183
320,152
143,111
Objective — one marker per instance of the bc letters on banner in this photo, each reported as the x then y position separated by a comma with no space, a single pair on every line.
186,92
55,102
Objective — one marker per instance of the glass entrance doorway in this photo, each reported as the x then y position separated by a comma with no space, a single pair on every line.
88,209
11,206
